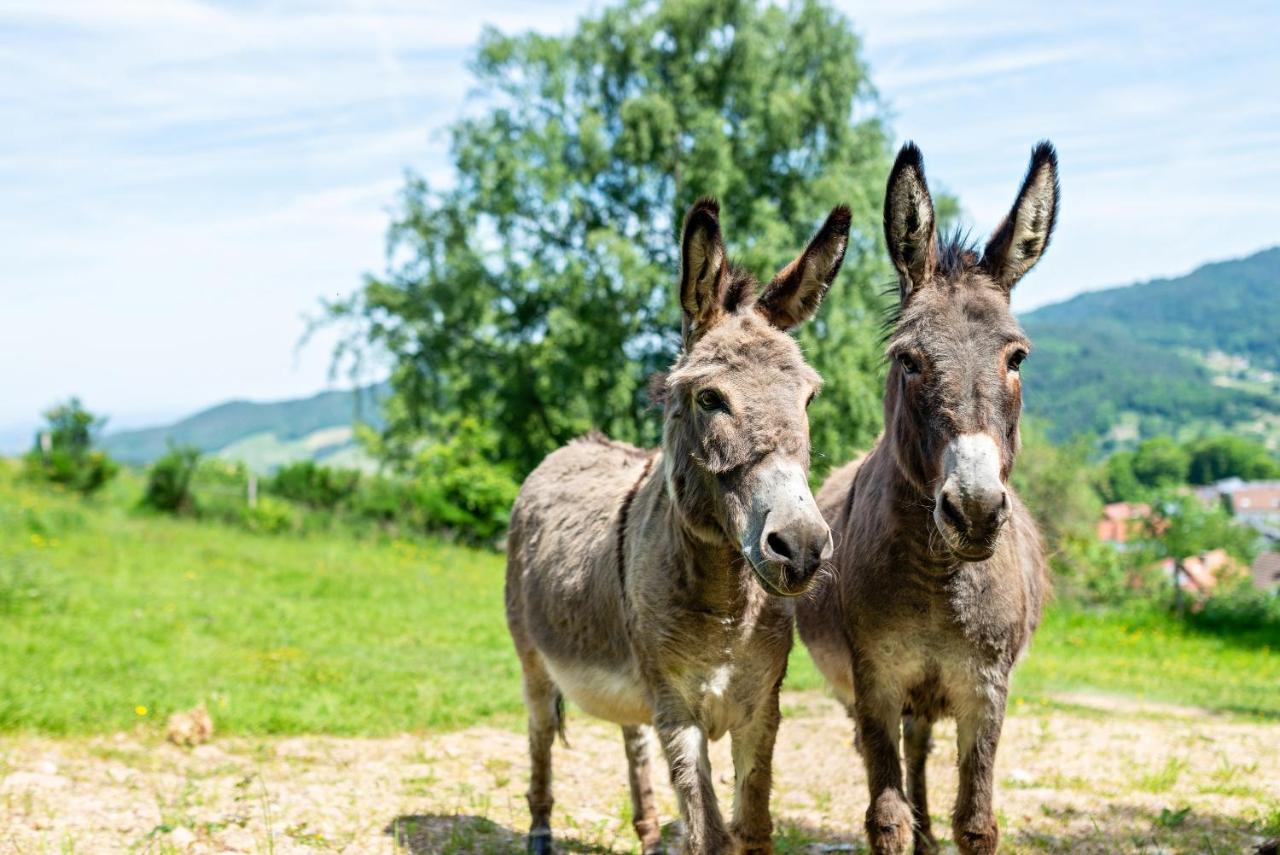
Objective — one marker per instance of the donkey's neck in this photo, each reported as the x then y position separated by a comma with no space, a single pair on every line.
708,570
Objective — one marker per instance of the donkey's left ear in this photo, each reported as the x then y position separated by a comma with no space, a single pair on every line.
795,293
1024,235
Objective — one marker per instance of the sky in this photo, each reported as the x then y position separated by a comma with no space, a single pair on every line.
184,181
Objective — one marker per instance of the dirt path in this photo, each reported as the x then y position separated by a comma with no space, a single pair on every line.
1091,775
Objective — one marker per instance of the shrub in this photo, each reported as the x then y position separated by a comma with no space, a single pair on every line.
270,516
63,453
1238,605
315,486
1087,570
169,481
455,484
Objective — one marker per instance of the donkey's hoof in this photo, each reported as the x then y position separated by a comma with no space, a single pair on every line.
540,843
973,838
889,825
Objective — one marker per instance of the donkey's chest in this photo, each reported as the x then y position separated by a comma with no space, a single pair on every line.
729,673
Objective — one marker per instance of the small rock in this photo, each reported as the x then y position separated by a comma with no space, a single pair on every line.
190,728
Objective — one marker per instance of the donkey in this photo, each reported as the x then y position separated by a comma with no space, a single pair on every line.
652,588
939,575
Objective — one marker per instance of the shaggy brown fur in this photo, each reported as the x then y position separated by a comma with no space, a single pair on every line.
651,587
939,569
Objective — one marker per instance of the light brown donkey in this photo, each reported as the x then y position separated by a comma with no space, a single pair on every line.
651,587
939,570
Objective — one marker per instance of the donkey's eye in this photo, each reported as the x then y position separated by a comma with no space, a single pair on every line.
908,363
809,400
1015,359
710,400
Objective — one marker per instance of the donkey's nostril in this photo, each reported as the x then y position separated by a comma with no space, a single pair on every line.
952,513
779,546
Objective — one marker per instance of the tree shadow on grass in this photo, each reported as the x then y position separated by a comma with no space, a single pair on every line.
464,834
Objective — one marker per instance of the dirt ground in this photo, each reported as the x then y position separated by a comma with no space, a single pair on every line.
1087,774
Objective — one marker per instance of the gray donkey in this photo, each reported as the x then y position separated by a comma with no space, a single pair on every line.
651,587
939,571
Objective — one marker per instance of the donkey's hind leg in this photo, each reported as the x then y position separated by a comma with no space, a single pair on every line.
916,732
644,815
545,707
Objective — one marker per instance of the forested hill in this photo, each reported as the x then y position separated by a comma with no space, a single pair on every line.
261,434
1185,356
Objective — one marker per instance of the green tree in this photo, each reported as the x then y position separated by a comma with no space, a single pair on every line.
1181,526
64,453
1119,482
169,481
1226,456
536,294
1159,463
1055,482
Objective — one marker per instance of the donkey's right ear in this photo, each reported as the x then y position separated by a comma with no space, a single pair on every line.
702,267
909,222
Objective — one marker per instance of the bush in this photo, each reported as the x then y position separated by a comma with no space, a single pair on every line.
63,453
270,516
169,481
1238,605
315,486
455,485
1089,571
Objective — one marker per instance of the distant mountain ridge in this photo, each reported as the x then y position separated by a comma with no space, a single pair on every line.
1184,356
267,433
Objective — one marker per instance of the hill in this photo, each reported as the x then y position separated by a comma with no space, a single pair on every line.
1184,357
263,435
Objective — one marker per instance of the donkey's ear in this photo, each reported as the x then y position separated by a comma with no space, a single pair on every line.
794,294
1024,235
702,266
909,222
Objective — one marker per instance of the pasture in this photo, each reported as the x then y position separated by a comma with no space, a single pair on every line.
363,691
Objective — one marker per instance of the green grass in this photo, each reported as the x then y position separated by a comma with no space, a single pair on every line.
106,612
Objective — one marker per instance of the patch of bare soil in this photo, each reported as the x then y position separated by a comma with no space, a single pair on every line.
1091,775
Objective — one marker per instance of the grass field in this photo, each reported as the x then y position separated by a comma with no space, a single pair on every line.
110,618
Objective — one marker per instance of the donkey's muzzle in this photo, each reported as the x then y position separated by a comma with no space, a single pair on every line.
972,504
797,550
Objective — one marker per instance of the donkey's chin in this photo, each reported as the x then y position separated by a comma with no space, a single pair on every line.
962,547
773,577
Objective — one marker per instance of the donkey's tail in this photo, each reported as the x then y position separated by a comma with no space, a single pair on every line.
559,715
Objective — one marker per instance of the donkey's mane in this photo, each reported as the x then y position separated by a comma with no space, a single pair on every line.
595,437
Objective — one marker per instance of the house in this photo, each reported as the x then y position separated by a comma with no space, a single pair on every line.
1121,521
1266,571
1200,573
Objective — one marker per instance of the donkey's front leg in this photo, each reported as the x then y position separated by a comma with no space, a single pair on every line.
685,744
753,779
879,720
978,734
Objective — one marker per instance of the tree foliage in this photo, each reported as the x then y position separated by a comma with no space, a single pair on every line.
536,294
1056,484
1226,456
64,453
169,481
